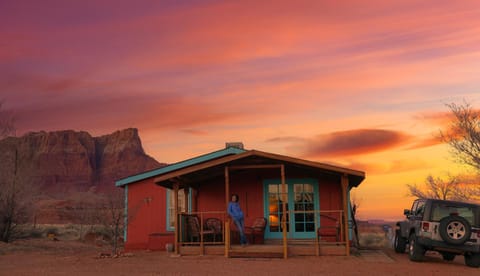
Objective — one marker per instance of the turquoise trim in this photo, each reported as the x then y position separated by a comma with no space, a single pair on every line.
291,202
349,212
179,165
125,219
167,205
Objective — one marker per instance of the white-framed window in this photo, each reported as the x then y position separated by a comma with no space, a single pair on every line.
171,208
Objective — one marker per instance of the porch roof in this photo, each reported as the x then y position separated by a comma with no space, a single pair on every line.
180,165
194,174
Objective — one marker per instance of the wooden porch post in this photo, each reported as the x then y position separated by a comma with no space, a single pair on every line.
227,218
194,200
344,184
177,217
185,198
284,210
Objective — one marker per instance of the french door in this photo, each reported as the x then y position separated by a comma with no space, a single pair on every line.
301,200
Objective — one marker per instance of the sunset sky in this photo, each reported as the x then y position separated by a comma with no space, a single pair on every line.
361,84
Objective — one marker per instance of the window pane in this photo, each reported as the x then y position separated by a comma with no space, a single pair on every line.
171,207
273,188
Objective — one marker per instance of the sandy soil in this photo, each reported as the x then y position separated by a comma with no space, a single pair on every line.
45,257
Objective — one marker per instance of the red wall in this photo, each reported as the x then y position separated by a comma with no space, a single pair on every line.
147,216
330,193
248,186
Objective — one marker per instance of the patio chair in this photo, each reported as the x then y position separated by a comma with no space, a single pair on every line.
255,233
194,231
216,225
329,229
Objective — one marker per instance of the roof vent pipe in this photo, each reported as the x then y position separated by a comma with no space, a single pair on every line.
238,145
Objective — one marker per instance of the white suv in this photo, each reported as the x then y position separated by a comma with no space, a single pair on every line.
449,227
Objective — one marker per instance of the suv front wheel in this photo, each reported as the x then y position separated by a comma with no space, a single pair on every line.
415,250
400,243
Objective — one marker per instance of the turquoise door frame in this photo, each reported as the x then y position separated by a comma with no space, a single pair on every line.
300,225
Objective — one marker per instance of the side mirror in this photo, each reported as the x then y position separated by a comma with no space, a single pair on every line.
407,212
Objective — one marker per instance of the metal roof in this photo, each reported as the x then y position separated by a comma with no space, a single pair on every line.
208,164
214,167
180,165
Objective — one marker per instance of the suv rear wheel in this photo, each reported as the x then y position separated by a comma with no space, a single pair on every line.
400,243
415,250
472,260
455,230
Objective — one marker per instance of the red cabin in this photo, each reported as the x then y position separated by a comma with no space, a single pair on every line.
288,203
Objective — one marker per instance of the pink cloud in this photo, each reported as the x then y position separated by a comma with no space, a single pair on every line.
230,60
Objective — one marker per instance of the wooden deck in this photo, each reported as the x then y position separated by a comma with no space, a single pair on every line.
271,249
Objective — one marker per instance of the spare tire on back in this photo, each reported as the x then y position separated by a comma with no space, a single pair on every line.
455,230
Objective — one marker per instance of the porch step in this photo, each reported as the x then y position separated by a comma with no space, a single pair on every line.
256,251
290,241
268,250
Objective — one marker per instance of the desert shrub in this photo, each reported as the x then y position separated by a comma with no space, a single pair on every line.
372,240
71,232
97,232
71,226
104,232
36,233
52,230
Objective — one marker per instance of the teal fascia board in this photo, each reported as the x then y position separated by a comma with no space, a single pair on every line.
179,165
125,219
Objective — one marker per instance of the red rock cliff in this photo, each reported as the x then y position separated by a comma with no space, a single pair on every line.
62,162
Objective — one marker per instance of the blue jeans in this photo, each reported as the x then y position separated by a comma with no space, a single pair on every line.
241,226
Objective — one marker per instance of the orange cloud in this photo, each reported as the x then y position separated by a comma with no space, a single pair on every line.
347,143
426,142
440,119
392,166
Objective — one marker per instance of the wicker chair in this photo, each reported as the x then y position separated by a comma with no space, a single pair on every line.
215,225
194,231
255,233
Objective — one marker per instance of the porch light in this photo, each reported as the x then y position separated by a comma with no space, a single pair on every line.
273,220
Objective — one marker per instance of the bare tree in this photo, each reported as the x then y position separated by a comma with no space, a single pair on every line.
354,205
15,203
86,211
463,135
454,187
15,195
112,216
11,211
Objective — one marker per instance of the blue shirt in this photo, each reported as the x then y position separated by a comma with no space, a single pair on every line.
235,211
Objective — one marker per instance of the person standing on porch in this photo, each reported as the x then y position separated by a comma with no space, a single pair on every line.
236,213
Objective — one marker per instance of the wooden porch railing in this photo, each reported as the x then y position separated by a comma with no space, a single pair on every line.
329,229
187,232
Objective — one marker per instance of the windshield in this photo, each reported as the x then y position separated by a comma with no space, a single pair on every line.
470,213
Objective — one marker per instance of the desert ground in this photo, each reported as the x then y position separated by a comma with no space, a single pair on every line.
48,257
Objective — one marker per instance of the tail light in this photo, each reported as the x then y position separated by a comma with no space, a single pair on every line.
425,226
477,231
